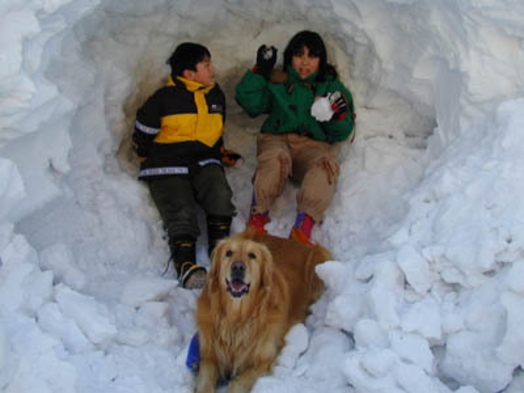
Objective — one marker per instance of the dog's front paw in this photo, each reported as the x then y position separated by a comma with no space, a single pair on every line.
206,380
241,385
204,387
236,388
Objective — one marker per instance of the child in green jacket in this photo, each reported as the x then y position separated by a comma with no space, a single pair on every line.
309,113
178,138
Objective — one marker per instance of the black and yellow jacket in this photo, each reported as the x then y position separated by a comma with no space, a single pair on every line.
179,127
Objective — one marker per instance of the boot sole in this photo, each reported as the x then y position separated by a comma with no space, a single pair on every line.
194,278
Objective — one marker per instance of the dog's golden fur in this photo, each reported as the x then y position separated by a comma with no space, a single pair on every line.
257,288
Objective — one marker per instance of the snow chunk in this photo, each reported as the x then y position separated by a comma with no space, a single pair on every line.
22,285
60,260
93,319
514,337
35,360
369,334
424,318
11,186
516,277
383,296
297,341
415,268
412,349
53,321
143,290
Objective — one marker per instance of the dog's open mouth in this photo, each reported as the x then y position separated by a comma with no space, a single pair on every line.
237,288
236,285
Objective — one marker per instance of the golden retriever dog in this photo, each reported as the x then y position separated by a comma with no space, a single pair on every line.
257,288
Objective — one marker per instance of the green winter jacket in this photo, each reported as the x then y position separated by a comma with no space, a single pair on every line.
289,103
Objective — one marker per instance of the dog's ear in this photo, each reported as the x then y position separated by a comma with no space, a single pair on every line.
215,259
266,267
214,270
248,233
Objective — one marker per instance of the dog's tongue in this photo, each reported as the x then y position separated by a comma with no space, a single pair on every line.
238,285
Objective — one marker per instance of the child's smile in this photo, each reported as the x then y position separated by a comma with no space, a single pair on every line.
304,63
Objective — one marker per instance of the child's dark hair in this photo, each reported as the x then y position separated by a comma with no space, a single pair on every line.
186,56
316,47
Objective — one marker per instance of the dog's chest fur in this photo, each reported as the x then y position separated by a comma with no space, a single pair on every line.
235,347
242,339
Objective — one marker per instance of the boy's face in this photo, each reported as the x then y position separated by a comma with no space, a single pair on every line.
305,63
204,74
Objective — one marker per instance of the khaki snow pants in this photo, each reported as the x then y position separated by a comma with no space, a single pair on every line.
313,164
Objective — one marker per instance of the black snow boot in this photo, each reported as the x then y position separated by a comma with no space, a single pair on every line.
217,229
183,253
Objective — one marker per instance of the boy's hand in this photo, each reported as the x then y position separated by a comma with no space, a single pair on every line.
266,59
229,157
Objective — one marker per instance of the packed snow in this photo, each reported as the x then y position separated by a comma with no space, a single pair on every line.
426,289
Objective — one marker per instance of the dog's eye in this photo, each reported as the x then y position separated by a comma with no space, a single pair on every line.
252,255
229,253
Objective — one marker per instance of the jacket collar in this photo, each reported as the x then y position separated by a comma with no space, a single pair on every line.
295,78
192,86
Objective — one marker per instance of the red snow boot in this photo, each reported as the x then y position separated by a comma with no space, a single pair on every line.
301,231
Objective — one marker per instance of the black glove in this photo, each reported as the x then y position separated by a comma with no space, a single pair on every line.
266,59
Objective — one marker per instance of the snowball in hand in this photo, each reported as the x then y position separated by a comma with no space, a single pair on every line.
321,109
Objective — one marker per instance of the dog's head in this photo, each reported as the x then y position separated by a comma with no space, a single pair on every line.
240,266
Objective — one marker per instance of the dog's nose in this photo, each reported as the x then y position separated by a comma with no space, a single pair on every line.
237,269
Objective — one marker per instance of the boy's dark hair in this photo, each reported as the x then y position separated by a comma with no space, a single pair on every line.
316,47
186,56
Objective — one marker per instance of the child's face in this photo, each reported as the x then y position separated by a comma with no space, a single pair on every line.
204,74
304,63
